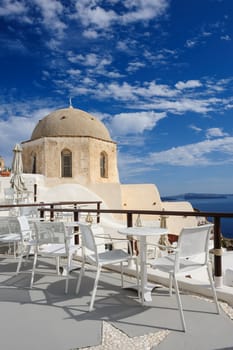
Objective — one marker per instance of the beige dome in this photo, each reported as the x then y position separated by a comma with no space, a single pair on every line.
70,122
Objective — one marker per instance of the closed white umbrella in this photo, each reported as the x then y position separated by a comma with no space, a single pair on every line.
17,181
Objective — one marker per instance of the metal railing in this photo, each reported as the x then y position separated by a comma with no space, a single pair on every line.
77,209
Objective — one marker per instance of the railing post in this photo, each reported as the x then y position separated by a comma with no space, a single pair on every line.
35,193
133,242
129,219
218,278
98,213
76,217
42,212
52,213
75,213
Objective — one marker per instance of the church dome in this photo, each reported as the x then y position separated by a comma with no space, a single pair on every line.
70,122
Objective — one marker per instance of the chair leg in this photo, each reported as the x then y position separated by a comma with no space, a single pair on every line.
137,276
14,245
95,288
170,284
28,252
21,257
33,270
68,266
67,283
80,277
58,265
179,303
213,288
19,263
122,279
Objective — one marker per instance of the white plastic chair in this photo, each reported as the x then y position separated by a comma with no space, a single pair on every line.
9,195
53,241
99,259
29,212
192,253
10,233
27,241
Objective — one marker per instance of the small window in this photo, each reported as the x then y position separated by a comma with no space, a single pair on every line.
103,165
66,163
34,164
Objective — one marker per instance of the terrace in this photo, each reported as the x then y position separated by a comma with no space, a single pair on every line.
44,317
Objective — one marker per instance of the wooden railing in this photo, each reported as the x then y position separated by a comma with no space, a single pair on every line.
77,208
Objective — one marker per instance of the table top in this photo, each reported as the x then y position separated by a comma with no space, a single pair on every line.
143,231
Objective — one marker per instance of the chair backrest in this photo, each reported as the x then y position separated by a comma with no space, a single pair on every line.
88,240
25,229
9,194
9,224
194,241
50,232
29,211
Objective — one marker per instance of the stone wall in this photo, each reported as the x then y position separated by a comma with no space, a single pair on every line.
85,159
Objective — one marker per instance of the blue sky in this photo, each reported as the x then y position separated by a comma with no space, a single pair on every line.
158,73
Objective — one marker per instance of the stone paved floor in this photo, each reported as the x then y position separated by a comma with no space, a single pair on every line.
45,318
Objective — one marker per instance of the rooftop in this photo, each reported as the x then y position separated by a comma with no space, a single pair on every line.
70,122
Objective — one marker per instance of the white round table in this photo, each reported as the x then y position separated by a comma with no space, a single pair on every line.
142,232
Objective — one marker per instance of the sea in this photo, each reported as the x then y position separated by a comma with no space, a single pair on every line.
221,204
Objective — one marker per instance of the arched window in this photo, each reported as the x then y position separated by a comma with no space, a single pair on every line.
34,164
66,163
103,164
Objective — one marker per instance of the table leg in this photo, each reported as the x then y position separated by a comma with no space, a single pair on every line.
145,289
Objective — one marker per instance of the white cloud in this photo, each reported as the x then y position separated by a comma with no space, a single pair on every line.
204,33
191,43
121,92
182,105
14,45
11,129
225,37
215,132
131,166
90,60
12,8
90,34
114,75
135,123
134,66
190,84
148,95
144,10
151,89
51,12
199,154
74,72
161,57
49,15
122,46
92,14
195,128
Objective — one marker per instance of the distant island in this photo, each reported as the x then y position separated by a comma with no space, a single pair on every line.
189,196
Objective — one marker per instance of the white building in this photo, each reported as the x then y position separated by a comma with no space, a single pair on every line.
71,157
